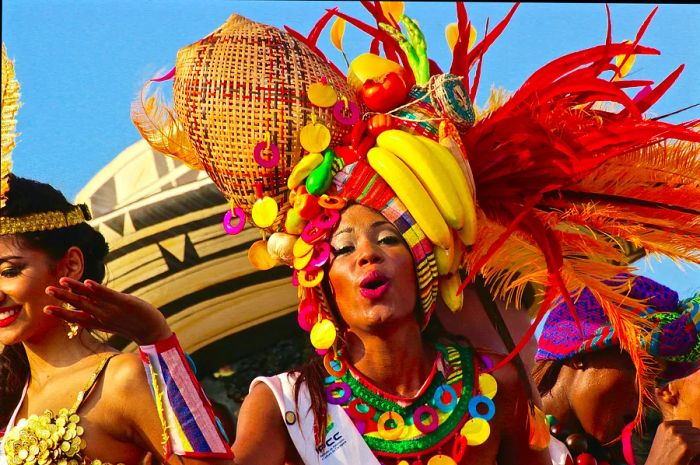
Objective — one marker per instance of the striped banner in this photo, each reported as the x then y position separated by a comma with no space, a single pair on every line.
190,427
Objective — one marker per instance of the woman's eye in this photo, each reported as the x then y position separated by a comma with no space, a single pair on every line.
10,272
390,240
343,250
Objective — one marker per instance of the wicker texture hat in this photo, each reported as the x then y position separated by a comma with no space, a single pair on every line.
243,84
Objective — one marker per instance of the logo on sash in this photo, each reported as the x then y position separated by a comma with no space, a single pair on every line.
334,440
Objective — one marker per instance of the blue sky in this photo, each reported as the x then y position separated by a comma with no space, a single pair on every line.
81,63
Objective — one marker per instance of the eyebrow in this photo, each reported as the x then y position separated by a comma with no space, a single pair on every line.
9,257
374,225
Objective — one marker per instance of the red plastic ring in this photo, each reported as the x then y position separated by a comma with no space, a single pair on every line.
354,411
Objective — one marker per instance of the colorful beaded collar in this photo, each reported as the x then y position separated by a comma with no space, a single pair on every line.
452,412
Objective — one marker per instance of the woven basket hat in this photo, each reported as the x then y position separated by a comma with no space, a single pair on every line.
238,85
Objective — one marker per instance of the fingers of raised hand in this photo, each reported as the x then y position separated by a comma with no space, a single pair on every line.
78,301
74,316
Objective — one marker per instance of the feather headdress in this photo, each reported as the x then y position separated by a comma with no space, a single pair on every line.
10,105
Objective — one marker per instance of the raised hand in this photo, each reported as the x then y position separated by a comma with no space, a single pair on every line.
676,443
101,308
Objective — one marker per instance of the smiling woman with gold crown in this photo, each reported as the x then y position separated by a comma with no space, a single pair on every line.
387,193
65,396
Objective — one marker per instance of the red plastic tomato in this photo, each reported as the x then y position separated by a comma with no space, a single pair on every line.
386,94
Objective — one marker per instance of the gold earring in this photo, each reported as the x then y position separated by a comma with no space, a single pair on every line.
73,328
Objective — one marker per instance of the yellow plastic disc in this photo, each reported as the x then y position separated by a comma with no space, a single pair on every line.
323,334
301,248
393,433
310,279
441,460
264,212
301,262
322,95
315,137
488,385
476,430
259,257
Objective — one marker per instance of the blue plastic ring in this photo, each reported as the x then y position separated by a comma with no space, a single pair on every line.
437,398
475,401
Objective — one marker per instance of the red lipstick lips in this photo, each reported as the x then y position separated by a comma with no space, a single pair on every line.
9,314
374,285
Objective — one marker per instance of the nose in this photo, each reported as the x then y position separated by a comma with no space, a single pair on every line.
368,253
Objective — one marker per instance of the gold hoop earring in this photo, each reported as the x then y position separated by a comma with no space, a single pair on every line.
72,328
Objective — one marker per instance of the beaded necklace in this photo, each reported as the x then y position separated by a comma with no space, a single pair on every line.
584,449
451,412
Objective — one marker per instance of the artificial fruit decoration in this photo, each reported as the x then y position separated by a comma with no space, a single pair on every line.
384,93
380,123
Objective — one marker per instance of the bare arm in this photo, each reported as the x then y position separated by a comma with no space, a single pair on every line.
262,437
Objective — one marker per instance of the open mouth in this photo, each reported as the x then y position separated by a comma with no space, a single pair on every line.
9,314
374,285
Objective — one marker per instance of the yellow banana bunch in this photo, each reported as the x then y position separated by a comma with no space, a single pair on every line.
443,157
448,286
413,195
429,169
302,169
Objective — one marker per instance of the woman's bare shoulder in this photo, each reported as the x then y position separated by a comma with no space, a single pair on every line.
125,370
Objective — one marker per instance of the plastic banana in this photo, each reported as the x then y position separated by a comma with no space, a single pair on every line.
413,195
302,169
429,170
449,285
445,258
454,148
444,157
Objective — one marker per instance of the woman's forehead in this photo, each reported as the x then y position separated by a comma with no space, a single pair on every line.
11,248
359,218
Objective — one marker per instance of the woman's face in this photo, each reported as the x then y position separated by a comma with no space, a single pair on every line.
371,273
603,393
24,275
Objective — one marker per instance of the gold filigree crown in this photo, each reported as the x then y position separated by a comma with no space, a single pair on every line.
44,221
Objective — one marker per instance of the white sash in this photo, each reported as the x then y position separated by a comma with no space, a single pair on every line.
10,425
344,444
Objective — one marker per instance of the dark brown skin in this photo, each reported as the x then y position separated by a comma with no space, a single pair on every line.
120,419
364,242
595,393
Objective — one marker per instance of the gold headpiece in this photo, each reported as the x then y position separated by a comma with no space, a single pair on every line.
44,221
10,105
